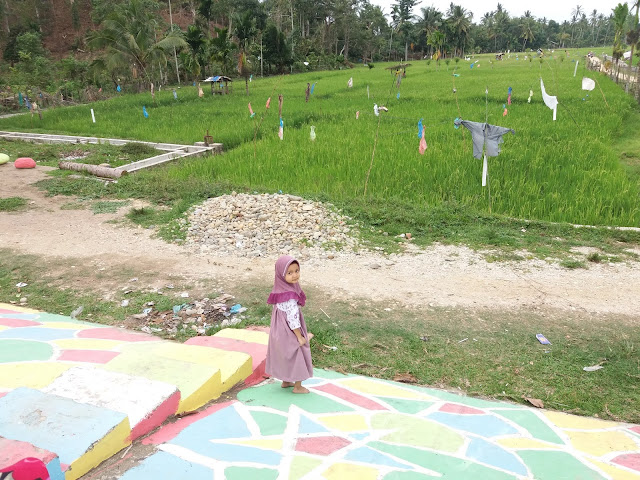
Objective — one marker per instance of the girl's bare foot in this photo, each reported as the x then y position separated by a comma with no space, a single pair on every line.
300,389
287,384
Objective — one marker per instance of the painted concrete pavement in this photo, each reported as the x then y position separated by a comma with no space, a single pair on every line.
365,428
73,393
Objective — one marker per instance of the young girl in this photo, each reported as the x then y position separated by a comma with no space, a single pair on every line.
288,352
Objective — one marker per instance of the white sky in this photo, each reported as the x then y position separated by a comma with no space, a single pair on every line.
557,10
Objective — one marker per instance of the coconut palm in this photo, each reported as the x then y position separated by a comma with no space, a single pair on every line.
129,35
527,25
431,21
459,21
401,20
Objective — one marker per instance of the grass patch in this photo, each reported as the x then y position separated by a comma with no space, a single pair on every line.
107,207
12,204
572,264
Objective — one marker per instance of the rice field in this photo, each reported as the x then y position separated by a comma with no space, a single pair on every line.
562,171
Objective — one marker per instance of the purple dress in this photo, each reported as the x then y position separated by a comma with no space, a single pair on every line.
286,359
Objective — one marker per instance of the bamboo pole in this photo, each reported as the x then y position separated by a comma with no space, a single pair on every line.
107,172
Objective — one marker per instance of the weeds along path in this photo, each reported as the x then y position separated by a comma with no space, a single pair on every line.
437,276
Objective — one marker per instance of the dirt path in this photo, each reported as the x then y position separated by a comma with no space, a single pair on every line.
436,276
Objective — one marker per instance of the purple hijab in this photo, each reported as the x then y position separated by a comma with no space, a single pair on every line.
283,291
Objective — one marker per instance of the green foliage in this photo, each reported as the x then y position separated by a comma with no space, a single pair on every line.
12,204
276,51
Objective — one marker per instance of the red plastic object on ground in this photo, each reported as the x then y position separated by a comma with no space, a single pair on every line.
28,469
25,162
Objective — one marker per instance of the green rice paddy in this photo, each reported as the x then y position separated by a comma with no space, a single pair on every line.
562,171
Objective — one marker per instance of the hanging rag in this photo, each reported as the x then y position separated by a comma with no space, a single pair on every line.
423,144
307,92
375,110
281,130
118,89
398,80
588,84
280,101
153,94
175,94
504,114
484,134
20,99
398,96
200,92
357,114
350,82
251,111
144,112
530,95
312,134
549,101
27,103
312,87
509,97
420,128
268,103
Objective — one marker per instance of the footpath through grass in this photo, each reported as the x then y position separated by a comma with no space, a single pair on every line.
491,353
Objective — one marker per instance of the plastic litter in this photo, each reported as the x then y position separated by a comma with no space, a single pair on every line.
21,284
237,308
147,311
592,368
184,294
542,339
77,312
124,303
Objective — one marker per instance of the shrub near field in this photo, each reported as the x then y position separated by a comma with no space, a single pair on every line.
563,171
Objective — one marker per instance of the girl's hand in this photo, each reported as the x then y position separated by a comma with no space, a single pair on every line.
302,341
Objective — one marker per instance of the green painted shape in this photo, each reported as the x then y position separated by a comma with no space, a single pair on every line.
406,406
24,351
534,425
408,476
419,432
270,423
300,466
451,468
243,473
51,317
548,465
274,396
329,374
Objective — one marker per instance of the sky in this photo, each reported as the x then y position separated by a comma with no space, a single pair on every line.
558,10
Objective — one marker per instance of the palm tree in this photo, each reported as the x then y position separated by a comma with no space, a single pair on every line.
431,21
129,35
576,13
459,21
527,24
223,49
402,16
594,21
634,33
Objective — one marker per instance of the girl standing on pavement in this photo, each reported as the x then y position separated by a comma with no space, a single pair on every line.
288,352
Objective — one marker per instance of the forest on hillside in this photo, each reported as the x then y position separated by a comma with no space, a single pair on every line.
64,46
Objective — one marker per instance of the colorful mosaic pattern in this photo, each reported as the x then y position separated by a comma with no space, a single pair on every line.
358,427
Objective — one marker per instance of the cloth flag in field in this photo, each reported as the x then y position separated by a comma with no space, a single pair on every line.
423,144
27,103
312,134
504,113
375,110
357,114
20,99
420,128
200,92
175,94
153,93
144,112
307,92
588,84
509,97
549,101
268,103
350,82
281,130
251,111
118,89
530,95
312,87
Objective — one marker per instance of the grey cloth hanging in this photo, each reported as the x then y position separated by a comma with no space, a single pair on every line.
484,134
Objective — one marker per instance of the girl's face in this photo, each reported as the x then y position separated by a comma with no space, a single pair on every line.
292,274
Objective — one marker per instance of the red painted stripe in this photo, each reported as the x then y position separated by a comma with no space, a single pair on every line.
116,334
629,460
88,356
12,451
171,430
461,409
18,322
350,396
158,416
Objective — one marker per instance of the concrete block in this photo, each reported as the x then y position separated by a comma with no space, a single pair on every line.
81,435
147,403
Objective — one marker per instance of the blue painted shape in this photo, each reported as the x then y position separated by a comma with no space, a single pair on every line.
309,426
165,465
227,452
312,381
225,423
494,455
38,333
55,470
483,425
358,436
54,423
368,455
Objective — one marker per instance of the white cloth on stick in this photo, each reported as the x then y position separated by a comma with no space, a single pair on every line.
549,101
588,84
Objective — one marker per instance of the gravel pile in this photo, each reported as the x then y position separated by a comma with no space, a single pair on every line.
267,225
